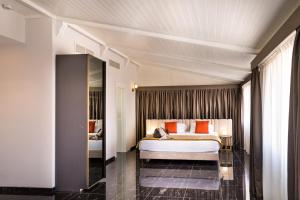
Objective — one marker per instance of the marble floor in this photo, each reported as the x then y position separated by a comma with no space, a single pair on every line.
131,178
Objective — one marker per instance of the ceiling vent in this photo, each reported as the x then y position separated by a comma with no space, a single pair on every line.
82,50
114,64
79,49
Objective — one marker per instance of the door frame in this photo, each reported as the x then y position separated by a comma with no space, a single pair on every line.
123,137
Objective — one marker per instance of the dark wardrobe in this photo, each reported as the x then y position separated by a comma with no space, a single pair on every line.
80,121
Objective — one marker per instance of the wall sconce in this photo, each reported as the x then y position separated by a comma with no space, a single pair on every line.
134,87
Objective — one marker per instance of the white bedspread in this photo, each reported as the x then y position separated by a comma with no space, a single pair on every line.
179,146
95,144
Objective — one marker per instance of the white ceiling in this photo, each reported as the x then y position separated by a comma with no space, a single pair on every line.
212,37
20,8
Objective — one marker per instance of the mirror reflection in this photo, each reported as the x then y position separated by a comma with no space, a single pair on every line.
96,113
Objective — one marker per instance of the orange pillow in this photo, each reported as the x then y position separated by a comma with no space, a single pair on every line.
171,127
92,126
201,127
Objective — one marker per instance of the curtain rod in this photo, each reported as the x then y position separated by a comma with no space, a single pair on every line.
188,87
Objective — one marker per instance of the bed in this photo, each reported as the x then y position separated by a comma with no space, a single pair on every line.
181,147
184,146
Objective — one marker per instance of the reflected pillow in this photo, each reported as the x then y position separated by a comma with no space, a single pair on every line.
202,127
92,126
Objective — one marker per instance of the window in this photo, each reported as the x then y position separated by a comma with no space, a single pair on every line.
246,114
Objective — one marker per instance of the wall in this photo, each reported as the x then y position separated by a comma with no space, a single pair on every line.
65,40
27,109
131,78
12,27
291,24
123,78
27,103
157,76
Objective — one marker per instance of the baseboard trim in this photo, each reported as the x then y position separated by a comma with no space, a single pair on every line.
27,191
132,148
112,159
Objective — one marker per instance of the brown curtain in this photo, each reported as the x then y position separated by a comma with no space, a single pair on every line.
294,125
189,103
256,181
95,104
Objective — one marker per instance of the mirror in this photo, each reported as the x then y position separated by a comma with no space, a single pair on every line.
96,133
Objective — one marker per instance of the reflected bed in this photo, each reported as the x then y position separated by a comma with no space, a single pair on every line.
95,148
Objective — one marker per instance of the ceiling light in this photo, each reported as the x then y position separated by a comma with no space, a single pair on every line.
7,7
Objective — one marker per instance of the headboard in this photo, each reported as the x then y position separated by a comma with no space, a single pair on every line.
221,126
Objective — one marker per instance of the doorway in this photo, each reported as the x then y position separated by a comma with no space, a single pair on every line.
121,144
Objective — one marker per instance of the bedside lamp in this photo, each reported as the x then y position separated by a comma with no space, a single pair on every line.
223,131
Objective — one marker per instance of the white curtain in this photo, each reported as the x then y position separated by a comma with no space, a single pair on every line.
276,73
246,114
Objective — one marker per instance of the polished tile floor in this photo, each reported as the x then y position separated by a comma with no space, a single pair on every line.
131,178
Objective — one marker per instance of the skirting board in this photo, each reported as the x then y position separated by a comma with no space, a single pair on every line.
132,148
214,156
112,159
26,191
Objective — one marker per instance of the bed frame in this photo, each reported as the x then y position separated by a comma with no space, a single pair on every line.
210,156
213,156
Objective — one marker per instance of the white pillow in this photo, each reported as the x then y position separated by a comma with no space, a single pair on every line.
210,128
181,127
193,127
162,132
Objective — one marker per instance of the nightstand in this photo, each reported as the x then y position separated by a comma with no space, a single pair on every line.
226,142
226,165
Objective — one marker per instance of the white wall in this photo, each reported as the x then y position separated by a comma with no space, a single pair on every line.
158,76
12,27
27,109
66,38
124,78
65,41
27,103
112,78
130,79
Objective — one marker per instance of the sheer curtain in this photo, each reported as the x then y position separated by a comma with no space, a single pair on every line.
246,114
276,74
